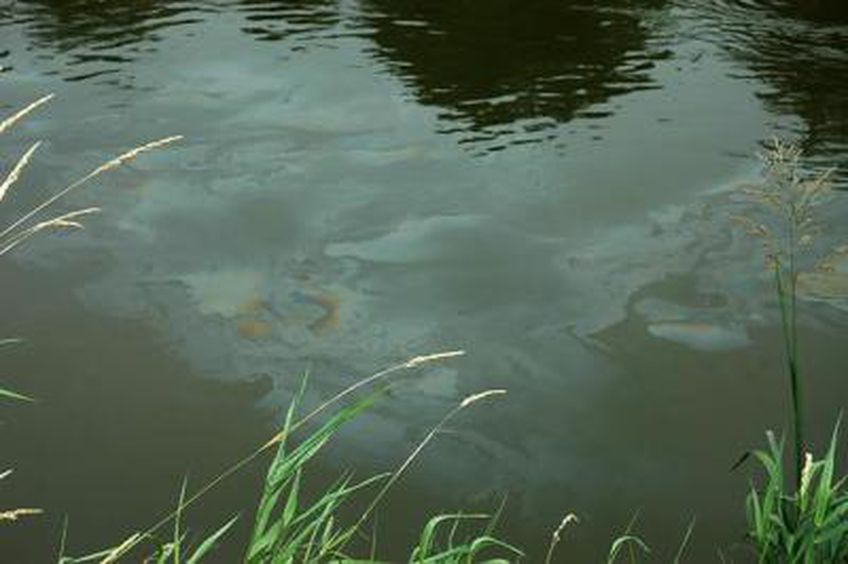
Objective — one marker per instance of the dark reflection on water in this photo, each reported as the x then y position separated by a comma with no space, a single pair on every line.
100,39
799,50
273,20
104,38
513,68
503,75
100,26
515,65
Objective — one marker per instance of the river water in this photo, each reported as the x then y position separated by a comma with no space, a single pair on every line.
548,186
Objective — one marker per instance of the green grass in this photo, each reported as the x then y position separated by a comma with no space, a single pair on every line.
805,525
787,223
289,528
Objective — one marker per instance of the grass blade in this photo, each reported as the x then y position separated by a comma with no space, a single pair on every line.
209,543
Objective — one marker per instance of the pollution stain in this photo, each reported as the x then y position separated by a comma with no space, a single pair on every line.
248,324
701,336
253,306
253,329
823,285
330,320
329,303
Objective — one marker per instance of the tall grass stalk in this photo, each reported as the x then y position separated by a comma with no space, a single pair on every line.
556,536
26,225
11,120
17,231
627,540
395,476
788,227
807,522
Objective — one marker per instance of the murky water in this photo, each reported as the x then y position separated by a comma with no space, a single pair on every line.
546,186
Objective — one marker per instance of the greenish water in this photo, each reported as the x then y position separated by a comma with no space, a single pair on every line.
546,186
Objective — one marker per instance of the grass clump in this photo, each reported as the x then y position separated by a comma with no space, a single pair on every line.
287,528
807,526
789,227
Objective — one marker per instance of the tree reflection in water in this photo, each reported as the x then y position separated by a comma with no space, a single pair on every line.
514,66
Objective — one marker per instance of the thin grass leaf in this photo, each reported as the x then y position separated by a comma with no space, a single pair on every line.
823,492
678,557
496,516
556,536
626,541
15,173
114,554
469,400
63,539
108,165
177,541
373,553
165,552
210,542
486,542
64,221
15,514
14,395
427,542
284,469
20,114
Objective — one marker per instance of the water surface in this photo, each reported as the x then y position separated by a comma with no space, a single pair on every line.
548,187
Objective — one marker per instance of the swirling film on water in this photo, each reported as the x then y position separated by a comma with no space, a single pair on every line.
548,186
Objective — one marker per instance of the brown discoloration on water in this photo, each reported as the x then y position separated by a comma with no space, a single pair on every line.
253,306
823,285
330,303
330,320
254,329
252,316
249,324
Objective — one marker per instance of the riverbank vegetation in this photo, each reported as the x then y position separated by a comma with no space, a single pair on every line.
797,511
798,516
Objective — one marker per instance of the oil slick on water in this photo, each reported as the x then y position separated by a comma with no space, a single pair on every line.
704,329
257,304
